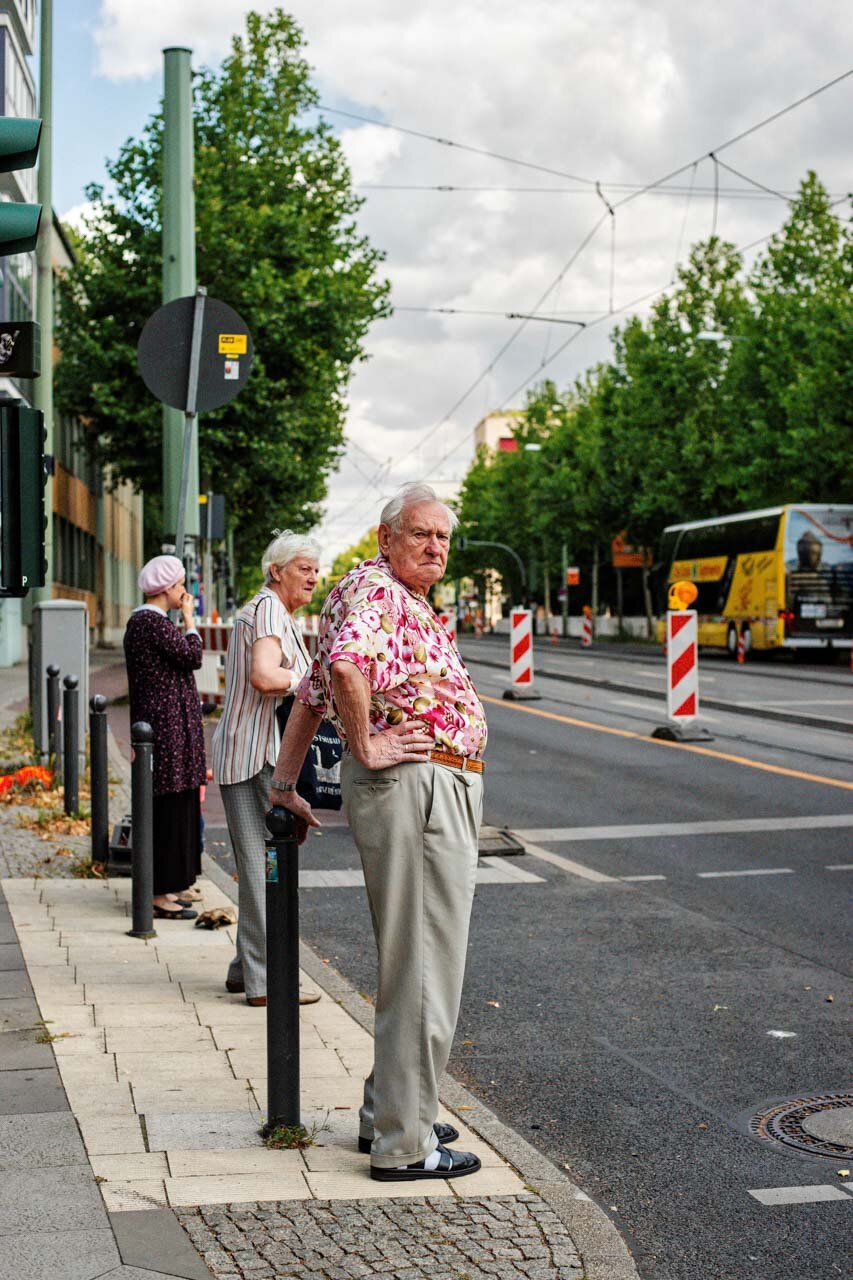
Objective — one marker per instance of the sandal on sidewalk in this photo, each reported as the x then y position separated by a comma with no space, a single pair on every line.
160,913
444,1132
451,1164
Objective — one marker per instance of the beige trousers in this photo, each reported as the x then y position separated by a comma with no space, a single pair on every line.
416,827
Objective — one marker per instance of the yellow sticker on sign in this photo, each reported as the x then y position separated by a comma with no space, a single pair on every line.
232,344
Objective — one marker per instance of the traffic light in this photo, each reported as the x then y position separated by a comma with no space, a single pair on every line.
22,435
22,514
19,223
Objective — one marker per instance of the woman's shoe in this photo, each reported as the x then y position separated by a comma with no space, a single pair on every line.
236,988
160,913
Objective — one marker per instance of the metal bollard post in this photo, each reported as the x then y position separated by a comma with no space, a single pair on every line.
70,743
142,837
54,748
282,893
98,779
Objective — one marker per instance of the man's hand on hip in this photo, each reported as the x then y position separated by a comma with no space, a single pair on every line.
406,743
300,808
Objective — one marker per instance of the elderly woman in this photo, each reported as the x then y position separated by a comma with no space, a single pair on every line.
160,664
266,660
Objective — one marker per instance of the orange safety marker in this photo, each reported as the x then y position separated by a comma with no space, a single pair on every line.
521,656
682,668
586,628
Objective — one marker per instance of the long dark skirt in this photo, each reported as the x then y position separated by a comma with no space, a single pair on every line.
177,840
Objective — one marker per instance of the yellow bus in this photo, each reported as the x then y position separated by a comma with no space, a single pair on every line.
782,577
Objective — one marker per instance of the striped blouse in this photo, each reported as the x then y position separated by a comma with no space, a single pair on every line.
247,736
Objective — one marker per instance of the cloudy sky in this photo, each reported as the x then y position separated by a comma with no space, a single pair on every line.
616,92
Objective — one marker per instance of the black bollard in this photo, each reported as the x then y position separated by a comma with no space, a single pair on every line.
142,829
54,747
282,892
98,778
70,743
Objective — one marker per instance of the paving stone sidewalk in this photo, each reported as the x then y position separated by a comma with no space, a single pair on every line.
161,1076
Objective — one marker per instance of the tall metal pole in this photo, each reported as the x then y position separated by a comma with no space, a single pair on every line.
43,394
179,276
564,569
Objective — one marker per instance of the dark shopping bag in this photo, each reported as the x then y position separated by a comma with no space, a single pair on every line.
319,780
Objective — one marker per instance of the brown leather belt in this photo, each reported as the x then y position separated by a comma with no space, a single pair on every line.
466,763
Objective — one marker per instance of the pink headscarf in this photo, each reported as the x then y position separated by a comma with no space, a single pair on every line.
159,574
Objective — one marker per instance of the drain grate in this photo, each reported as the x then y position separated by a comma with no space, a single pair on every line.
784,1123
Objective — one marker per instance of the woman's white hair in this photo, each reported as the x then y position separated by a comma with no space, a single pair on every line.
392,512
286,546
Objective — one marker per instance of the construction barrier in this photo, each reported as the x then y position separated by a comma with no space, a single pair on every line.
521,655
586,628
682,666
448,621
741,647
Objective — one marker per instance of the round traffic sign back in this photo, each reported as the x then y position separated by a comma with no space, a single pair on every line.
225,353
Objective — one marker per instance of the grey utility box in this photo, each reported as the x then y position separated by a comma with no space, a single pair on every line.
59,636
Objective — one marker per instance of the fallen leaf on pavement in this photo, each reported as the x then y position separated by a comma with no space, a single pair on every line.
495,1004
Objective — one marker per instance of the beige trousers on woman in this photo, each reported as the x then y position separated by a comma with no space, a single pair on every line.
416,827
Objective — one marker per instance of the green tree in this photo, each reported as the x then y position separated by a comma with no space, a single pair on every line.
365,549
790,380
277,239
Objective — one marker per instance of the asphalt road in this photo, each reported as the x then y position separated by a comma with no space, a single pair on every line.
772,685
622,1025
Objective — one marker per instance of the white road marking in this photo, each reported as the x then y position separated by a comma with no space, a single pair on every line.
567,864
490,871
798,1195
806,702
840,866
758,871
783,1035
642,877
642,831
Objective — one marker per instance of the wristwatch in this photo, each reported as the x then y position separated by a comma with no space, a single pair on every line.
282,786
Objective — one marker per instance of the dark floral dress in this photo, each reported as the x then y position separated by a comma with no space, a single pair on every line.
160,663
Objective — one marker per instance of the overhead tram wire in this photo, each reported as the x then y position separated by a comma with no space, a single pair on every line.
458,146
779,195
731,193
628,306
745,133
503,315
683,224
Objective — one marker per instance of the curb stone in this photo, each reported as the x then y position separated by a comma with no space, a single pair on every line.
603,1251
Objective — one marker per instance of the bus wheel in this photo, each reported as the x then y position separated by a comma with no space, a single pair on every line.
731,640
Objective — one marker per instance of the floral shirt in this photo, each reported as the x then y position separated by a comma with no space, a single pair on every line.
413,667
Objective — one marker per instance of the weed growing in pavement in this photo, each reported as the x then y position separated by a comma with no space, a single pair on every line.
83,869
48,1037
295,1137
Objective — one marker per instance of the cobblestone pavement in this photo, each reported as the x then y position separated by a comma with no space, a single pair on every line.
512,1237
23,853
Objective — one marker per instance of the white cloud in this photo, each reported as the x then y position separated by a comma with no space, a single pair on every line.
622,92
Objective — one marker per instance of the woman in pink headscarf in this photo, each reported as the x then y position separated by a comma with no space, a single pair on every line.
160,664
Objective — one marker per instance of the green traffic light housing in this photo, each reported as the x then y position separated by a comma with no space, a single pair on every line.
19,223
19,227
19,143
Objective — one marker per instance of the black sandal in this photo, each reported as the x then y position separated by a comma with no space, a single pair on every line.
444,1132
183,913
451,1164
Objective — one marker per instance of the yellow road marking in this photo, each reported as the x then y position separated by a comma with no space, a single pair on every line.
678,746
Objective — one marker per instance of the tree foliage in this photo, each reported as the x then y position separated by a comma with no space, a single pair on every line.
277,240
734,393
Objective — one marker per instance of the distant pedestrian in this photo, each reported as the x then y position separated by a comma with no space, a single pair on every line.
415,729
266,660
160,663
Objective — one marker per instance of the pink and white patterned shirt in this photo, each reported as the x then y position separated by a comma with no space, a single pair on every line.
413,667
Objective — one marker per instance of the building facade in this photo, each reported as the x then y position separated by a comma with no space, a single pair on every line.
97,526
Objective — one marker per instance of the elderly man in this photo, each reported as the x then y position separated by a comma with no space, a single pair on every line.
412,776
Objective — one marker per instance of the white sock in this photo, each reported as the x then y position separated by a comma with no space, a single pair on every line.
430,1162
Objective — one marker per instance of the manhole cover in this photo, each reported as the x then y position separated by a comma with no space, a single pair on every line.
495,840
819,1126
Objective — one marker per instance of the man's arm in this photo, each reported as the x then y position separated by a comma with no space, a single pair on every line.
406,743
301,727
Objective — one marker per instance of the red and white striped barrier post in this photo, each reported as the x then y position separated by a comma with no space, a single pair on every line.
586,628
448,621
741,647
682,679
521,656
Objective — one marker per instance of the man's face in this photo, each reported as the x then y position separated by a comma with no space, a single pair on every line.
809,549
418,551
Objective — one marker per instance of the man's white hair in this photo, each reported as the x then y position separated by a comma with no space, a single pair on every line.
392,512
286,546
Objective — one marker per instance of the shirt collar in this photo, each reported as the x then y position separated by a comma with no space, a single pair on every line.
155,608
